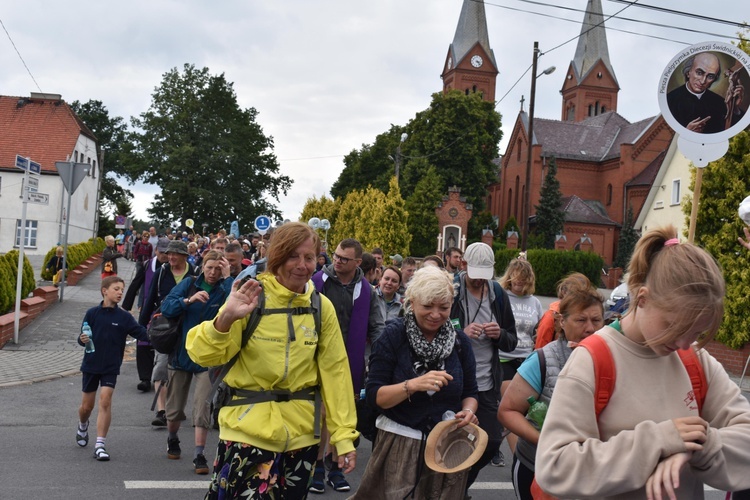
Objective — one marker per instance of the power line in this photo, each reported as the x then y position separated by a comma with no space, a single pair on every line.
19,56
681,13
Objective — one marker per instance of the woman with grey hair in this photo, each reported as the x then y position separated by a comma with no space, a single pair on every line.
421,368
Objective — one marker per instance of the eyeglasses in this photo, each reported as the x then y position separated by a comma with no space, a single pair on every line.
343,260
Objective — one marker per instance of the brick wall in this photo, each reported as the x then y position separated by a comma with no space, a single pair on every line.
733,360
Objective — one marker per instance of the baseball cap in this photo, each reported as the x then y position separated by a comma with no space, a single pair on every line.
480,261
162,245
397,259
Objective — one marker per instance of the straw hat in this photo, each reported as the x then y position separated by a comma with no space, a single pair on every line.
449,449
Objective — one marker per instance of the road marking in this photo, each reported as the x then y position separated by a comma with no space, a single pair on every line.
487,485
170,485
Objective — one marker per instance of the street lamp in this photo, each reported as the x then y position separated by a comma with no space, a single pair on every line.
527,198
397,160
324,224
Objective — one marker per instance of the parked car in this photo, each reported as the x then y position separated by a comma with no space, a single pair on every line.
619,293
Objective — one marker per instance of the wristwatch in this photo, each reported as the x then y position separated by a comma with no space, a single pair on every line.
187,301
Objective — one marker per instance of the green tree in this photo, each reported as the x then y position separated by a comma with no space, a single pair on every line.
626,242
391,230
550,217
726,182
421,205
458,135
510,225
111,135
210,158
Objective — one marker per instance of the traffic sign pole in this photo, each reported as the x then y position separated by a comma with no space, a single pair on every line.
19,275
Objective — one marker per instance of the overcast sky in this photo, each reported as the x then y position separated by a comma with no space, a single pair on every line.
326,76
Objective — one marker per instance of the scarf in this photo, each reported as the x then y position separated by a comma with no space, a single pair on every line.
429,355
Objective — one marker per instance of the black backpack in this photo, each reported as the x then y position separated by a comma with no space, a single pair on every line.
163,332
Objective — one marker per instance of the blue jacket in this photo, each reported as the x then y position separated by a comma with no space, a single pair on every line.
391,363
110,327
174,305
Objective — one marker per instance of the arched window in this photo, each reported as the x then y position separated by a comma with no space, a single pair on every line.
571,113
604,109
474,89
519,147
510,203
591,110
596,108
609,194
467,91
515,204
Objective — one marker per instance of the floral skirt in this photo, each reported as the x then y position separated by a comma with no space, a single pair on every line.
244,471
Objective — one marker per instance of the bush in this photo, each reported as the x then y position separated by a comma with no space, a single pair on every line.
8,280
550,266
77,254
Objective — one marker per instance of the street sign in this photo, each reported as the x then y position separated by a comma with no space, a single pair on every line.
71,180
38,198
24,164
262,224
33,185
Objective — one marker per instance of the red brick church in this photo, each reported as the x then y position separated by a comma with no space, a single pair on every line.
605,163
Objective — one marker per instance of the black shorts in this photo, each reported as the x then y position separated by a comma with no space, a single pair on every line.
92,381
510,368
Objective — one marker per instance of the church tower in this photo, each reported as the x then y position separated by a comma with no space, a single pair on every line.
590,87
470,64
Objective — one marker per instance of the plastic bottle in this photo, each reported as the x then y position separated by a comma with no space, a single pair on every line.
537,411
362,394
87,330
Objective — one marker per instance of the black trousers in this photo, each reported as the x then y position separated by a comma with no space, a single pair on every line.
144,361
135,285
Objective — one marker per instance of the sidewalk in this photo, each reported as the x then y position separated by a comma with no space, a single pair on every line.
48,347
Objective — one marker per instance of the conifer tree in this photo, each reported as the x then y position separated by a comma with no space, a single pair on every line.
550,218
421,204
626,242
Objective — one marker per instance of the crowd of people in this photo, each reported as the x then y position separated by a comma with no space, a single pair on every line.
306,336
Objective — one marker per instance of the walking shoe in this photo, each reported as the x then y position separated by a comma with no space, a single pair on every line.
82,437
173,449
200,464
498,460
101,454
160,420
144,386
337,482
318,484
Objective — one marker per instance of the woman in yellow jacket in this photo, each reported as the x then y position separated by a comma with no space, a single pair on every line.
267,448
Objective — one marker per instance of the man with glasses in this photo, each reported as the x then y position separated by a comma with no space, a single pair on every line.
694,106
361,320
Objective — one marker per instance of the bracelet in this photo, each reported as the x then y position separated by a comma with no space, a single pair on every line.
406,390
469,409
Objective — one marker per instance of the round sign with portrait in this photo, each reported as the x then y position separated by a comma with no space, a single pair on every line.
704,92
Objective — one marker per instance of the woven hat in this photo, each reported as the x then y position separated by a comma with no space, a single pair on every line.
480,261
450,449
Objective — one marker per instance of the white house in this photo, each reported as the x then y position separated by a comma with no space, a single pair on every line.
45,129
669,192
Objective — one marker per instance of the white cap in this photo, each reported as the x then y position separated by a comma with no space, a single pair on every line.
480,261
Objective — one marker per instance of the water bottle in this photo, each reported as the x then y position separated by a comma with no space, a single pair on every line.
87,330
362,394
537,411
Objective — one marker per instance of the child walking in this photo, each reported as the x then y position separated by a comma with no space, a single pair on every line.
655,437
110,326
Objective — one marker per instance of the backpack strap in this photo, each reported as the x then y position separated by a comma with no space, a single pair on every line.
697,376
542,367
604,370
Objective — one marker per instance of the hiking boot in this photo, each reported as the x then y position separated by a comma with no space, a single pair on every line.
101,454
200,464
144,386
160,420
498,460
318,484
82,437
173,449
337,482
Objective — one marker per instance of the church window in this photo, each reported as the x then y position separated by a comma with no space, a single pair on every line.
518,150
609,194
515,205
604,109
571,113
591,110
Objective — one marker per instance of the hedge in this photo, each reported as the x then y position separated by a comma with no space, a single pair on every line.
550,266
77,254
8,275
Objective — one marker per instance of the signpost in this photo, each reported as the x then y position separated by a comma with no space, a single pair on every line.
71,174
33,185
38,198
29,168
262,224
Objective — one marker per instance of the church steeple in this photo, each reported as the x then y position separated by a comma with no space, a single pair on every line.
590,87
470,64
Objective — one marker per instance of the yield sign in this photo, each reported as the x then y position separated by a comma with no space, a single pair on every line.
79,173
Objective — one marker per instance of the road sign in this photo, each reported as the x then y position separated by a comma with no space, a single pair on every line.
33,185
71,180
24,164
262,224
38,198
